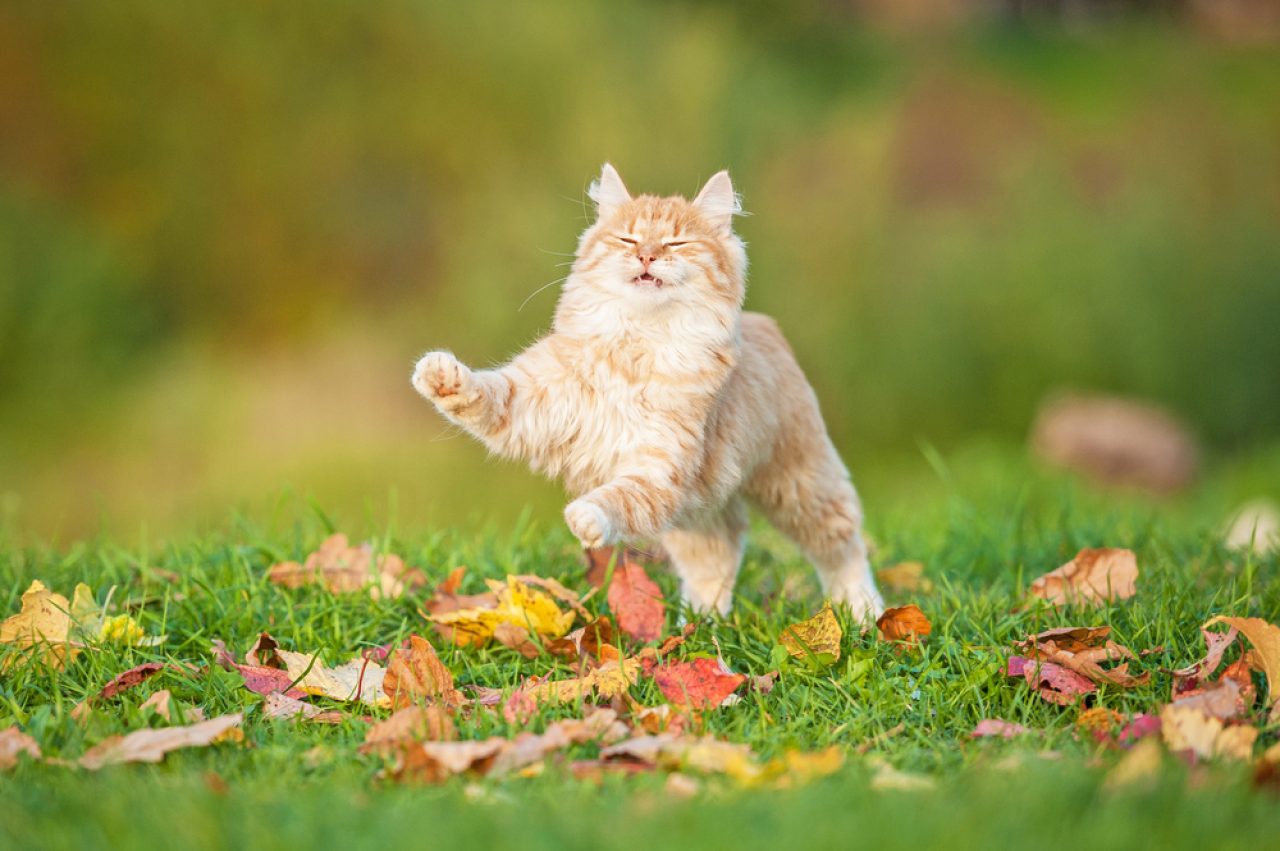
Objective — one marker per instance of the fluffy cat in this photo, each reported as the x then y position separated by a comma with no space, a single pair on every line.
664,407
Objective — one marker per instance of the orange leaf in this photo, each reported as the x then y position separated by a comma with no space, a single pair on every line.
416,674
904,623
342,568
152,745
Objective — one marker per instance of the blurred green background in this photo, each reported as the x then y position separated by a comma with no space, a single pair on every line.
227,230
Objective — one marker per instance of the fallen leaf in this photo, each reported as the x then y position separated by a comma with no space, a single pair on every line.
1098,722
152,745
601,559
412,723
703,683
1139,727
817,638
1188,729
121,682
519,707
556,590
359,680
889,778
258,679
636,602
446,599
42,628
1217,643
1054,683
1093,577
1140,766
342,569
1084,650
904,623
416,674
681,786
159,703
1220,699
997,728
596,640
795,767
278,705
611,679
515,603
904,578
1265,638
13,744
706,754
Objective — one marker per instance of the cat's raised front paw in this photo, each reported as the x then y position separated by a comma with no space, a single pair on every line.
443,379
589,523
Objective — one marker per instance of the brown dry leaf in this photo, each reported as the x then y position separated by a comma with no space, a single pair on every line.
1093,577
1140,766
1053,683
817,638
904,623
906,577
1220,699
1265,638
447,599
163,705
121,682
258,679
416,674
636,602
13,744
1084,650
1188,729
152,745
706,754
342,569
277,705
702,684
42,628
1188,679
411,724
596,640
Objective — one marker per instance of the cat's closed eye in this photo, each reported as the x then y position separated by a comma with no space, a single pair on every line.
677,244
628,240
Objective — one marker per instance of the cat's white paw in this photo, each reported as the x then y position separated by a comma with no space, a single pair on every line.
863,600
443,379
589,523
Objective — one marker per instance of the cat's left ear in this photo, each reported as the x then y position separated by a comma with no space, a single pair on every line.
608,192
717,202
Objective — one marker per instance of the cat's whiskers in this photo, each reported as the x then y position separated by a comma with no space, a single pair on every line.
540,289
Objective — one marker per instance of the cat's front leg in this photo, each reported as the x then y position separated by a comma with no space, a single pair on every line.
469,398
630,506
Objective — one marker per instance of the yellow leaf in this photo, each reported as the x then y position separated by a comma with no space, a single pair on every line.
1265,638
609,680
1140,765
1189,729
42,627
358,680
517,604
817,638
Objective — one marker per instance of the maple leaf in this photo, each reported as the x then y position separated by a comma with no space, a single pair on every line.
342,569
1093,577
601,560
904,623
996,727
611,679
1084,650
1265,638
703,683
907,577
636,602
817,638
1186,729
152,745
514,603
416,674
13,744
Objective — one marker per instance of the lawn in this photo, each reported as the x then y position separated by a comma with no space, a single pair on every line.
984,524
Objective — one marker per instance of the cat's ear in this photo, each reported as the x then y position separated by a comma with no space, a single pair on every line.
608,192
717,202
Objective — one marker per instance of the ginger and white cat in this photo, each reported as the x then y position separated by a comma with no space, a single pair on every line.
664,407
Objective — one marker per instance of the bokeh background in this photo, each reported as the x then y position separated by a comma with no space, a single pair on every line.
227,230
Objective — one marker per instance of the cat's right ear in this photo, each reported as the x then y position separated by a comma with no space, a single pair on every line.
608,192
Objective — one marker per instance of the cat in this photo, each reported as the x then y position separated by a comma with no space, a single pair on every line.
664,407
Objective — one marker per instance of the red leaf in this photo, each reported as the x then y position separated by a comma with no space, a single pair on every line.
1054,683
702,683
130,678
636,602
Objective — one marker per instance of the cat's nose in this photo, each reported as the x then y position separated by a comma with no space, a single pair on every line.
646,259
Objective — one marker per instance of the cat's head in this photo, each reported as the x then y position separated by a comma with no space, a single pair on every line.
648,251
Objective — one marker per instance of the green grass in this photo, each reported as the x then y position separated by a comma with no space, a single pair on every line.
984,525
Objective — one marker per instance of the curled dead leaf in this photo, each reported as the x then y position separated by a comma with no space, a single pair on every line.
152,745
1093,577
416,674
1083,650
411,724
904,623
1265,638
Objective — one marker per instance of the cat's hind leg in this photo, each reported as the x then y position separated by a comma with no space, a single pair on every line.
806,493
706,552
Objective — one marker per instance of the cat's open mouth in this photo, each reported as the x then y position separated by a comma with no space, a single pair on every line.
648,280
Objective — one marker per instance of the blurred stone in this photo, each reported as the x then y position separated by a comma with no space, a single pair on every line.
1255,525
1116,441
